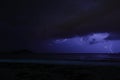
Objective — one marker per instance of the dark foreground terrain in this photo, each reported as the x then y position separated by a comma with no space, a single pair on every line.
20,71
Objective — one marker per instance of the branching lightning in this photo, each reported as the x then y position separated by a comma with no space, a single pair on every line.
108,46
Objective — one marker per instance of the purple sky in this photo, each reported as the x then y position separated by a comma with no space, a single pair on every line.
35,20
78,45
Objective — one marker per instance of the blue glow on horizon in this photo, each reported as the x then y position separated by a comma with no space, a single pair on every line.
93,43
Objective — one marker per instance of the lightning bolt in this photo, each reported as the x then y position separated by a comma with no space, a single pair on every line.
108,46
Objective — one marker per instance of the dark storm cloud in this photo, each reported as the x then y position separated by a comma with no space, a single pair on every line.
70,18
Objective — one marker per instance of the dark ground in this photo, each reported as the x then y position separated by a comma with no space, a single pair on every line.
17,71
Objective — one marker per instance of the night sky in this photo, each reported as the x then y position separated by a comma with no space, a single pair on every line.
34,24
